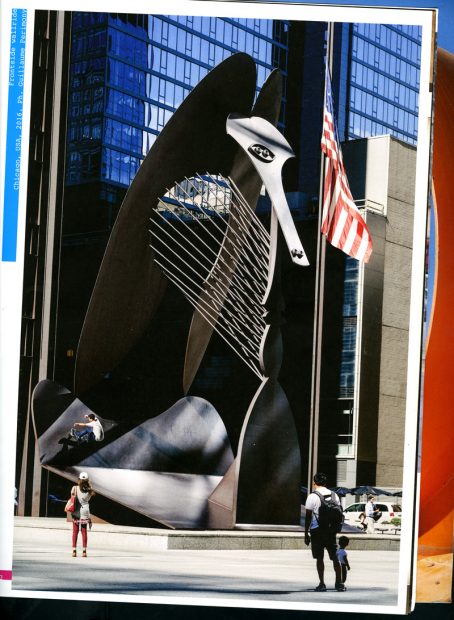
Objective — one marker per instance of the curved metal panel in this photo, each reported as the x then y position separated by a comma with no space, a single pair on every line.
189,437
262,487
130,286
164,468
436,514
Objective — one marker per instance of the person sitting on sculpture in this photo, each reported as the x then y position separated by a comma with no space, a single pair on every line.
90,431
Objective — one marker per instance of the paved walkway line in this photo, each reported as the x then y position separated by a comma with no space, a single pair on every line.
121,536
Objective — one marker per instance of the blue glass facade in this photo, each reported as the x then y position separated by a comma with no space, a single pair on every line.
384,81
129,73
375,85
349,315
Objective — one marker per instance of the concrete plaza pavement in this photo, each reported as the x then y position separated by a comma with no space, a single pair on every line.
122,561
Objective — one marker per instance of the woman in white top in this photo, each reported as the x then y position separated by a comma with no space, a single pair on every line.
81,516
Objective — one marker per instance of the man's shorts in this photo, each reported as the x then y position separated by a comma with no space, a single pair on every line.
320,541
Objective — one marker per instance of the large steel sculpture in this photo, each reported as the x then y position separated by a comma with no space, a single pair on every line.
199,231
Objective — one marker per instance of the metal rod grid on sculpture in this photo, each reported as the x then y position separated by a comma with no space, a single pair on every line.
243,240
236,256
222,290
261,230
239,327
214,293
262,245
248,215
259,248
240,284
249,360
245,224
262,248
257,320
258,281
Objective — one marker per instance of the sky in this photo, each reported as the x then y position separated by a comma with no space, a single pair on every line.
445,15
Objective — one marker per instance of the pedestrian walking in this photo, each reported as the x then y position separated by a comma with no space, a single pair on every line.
371,512
342,558
324,519
81,518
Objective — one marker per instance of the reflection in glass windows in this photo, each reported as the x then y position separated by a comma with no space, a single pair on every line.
384,81
135,70
347,377
350,303
349,320
117,166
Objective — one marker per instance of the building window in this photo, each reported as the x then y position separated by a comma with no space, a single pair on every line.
384,64
344,423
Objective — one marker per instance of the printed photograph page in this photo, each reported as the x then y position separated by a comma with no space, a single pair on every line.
214,234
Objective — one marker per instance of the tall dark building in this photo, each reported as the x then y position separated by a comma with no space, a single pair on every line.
47,142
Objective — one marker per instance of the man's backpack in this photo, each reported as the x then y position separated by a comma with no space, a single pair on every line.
330,514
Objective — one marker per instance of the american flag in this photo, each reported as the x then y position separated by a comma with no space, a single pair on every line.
342,223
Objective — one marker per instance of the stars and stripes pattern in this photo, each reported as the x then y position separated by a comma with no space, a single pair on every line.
342,223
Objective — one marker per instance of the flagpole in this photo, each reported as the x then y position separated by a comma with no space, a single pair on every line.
319,300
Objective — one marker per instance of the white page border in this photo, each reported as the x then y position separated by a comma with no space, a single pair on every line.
11,274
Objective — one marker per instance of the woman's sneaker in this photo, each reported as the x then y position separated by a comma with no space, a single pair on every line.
320,588
340,587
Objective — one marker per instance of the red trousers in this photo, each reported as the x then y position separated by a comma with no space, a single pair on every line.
83,529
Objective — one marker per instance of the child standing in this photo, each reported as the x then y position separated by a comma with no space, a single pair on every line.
342,558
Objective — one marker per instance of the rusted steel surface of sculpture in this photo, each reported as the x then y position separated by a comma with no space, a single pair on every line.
188,220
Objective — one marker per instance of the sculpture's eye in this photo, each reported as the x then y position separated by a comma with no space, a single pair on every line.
261,152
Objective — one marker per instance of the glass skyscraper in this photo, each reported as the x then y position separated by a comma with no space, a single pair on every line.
129,73
384,81
381,98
